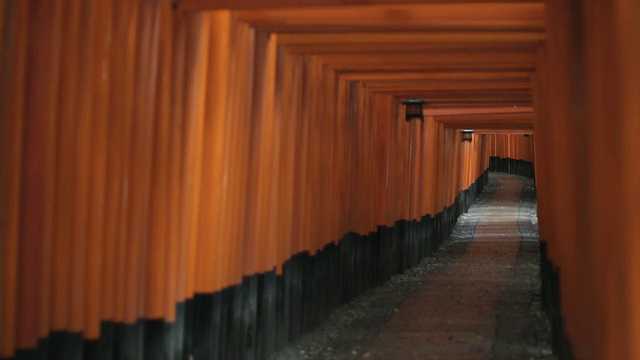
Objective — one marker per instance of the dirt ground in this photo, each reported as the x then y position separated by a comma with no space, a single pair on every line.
478,297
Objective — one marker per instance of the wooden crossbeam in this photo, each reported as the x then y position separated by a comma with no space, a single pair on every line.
481,86
191,5
435,76
471,16
482,120
432,38
478,111
487,126
466,99
443,61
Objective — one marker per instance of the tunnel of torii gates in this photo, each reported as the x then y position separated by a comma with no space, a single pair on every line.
210,178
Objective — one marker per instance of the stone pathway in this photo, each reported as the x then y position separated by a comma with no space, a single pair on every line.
478,298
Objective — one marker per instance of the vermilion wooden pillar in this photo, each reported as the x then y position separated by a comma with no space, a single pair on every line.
158,157
628,48
589,173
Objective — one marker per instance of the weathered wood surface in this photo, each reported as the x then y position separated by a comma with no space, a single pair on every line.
151,154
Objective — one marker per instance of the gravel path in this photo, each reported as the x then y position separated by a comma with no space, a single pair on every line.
476,298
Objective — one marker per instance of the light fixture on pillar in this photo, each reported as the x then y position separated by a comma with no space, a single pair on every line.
413,109
467,135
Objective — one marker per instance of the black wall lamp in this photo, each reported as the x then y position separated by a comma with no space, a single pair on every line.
527,135
413,109
467,135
